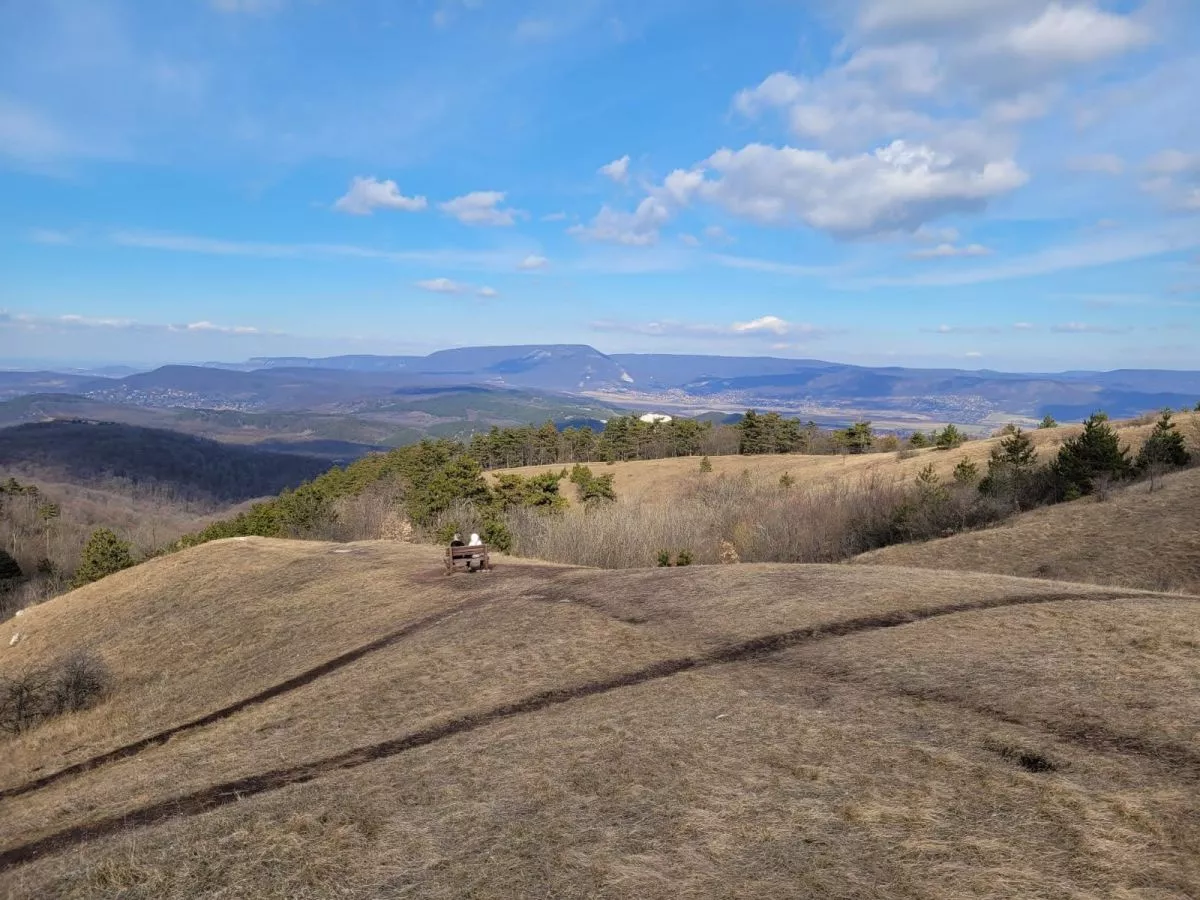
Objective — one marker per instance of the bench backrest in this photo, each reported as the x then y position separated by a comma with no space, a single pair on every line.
459,552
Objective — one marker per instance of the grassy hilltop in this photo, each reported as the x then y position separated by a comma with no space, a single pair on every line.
347,720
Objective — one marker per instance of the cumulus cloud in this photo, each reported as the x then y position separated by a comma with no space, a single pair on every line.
480,208
946,251
617,170
487,292
896,188
368,194
533,263
639,228
773,324
441,286
1078,33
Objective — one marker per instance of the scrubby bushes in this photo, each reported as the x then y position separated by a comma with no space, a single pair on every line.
726,519
75,682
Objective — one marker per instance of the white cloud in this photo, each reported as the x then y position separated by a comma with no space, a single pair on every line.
76,322
1079,33
367,194
554,217
717,235
972,354
945,251
480,208
441,286
639,228
1097,249
765,327
1099,163
1023,326
689,240
773,324
221,329
488,292
897,188
925,15
533,263
617,170
1173,162
1175,179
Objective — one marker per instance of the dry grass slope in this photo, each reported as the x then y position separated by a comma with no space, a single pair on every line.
359,725
667,479
1134,539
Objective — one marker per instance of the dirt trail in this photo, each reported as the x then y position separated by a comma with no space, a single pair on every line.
296,681
222,794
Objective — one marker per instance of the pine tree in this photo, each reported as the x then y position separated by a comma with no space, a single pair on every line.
1010,467
1048,422
857,438
917,440
966,471
949,438
1164,447
104,554
706,465
1094,454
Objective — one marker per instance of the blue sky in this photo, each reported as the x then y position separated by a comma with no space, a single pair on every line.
1009,184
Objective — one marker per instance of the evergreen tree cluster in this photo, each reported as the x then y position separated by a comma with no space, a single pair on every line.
623,438
760,433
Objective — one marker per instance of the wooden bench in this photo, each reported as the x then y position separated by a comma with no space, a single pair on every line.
476,557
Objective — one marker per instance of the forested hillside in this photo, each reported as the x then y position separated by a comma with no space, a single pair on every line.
193,468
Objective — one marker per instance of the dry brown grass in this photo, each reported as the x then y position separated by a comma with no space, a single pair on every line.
1136,538
666,479
882,763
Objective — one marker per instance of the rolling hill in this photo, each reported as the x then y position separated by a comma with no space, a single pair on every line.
1105,543
304,719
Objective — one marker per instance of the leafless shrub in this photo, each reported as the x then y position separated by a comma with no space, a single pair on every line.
726,519
75,682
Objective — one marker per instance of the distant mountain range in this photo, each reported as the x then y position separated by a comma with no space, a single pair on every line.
381,399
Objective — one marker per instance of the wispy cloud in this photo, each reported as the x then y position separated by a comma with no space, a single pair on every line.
1098,250
441,286
764,327
50,236
71,321
1087,328
949,251
533,263
492,260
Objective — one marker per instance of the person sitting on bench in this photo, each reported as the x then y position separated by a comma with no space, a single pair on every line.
457,540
